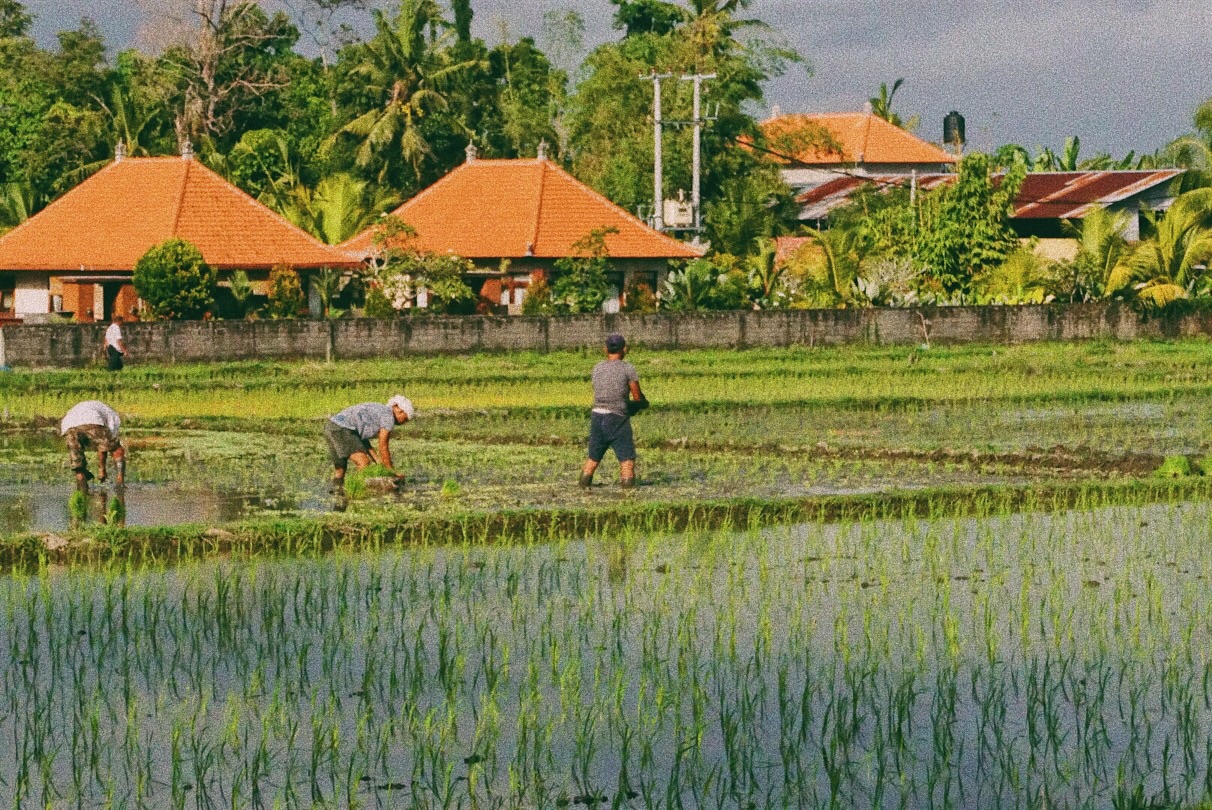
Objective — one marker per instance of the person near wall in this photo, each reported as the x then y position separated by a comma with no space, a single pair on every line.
349,434
616,397
93,425
115,345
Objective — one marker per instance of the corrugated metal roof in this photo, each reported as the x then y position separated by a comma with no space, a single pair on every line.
1044,195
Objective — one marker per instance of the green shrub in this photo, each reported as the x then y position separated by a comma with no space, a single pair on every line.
451,488
538,296
241,292
285,293
1176,467
378,305
175,282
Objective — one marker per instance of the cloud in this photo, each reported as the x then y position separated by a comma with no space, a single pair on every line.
1122,74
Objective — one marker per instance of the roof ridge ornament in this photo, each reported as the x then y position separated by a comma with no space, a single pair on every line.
542,153
120,151
472,152
187,149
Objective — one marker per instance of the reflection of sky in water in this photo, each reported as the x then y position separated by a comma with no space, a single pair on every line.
44,507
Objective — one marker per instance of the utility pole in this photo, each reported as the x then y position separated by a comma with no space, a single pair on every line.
658,157
696,194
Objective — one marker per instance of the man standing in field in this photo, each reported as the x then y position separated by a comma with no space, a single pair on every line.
93,425
616,396
350,433
115,346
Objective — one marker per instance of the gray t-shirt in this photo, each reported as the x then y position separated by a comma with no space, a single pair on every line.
366,419
611,385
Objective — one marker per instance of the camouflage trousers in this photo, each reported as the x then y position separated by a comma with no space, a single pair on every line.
85,437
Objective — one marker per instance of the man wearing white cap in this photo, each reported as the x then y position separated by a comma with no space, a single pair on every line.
350,433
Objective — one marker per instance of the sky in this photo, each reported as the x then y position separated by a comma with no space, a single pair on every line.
1121,74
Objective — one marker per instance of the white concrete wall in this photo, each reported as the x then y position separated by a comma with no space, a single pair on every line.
32,295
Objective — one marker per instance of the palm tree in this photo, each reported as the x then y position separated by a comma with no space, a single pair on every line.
18,202
1101,246
406,65
1171,264
767,275
834,272
881,105
339,208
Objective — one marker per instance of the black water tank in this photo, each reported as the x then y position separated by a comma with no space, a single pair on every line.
953,129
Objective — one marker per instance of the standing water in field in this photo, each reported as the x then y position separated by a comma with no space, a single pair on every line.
1010,661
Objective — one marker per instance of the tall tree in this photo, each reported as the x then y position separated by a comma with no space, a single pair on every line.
462,19
965,227
231,60
401,75
610,119
15,20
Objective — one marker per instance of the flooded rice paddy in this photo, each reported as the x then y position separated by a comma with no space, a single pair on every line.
1052,659
1007,661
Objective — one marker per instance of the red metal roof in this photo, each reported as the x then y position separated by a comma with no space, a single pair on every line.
1044,195
114,217
495,209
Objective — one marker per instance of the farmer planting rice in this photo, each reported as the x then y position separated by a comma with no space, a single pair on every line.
350,433
93,425
616,396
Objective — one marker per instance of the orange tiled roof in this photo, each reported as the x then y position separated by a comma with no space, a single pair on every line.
512,209
111,219
862,137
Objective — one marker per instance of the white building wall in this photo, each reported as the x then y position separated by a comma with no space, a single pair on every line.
32,294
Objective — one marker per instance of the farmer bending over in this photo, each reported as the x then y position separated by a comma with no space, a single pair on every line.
614,380
95,425
350,432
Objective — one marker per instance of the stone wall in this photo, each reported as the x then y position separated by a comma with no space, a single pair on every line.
67,345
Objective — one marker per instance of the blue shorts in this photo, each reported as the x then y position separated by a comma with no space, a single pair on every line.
610,431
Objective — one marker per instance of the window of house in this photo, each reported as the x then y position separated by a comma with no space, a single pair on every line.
8,292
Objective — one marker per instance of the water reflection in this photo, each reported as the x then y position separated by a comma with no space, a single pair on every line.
42,507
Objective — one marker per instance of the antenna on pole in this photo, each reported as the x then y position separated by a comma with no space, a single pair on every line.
658,157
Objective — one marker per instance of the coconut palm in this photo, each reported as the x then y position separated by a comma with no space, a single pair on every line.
831,274
406,65
18,202
1101,246
881,105
339,208
1171,264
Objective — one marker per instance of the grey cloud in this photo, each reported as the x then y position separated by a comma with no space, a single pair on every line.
1123,74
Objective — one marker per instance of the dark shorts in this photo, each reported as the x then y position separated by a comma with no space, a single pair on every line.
113,358
342,443
610,431
85,437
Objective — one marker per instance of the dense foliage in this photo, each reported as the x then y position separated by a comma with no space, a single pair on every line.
175,282
333,141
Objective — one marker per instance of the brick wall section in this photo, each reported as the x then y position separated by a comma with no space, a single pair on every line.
68,345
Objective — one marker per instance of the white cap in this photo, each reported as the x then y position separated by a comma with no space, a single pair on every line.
405,405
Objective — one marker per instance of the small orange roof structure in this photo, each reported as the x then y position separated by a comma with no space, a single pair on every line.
114,217
831,139
514,209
